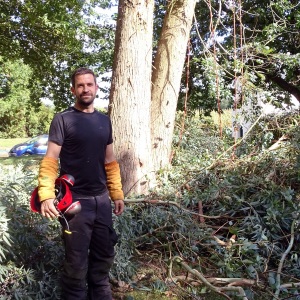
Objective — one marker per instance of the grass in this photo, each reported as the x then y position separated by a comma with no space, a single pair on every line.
226,118
6,144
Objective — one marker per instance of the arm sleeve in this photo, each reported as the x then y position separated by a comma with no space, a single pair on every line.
113,183
46,179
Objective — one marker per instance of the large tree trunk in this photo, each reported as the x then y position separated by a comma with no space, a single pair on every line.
130,96
143,129
166,77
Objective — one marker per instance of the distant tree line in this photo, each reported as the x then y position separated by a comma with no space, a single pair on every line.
18,116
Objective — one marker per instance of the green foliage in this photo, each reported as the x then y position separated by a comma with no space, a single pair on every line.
19,117
240,51
39,121
252,198
32,261
53,38
249,194
15,98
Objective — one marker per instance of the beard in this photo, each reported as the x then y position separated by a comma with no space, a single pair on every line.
85,101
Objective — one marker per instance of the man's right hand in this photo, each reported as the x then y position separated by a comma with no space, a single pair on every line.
48,209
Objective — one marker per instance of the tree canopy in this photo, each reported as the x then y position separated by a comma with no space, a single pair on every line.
18,117
244,45
255,41
53,38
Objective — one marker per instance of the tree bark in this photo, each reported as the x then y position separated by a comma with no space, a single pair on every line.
166,77
130,96
143,124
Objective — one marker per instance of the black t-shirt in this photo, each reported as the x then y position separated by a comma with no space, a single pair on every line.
83,137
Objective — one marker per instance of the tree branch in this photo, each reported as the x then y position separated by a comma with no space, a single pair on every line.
278,287
283,84
160,202
197,274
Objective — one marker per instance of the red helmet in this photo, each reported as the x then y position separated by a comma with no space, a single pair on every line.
63,196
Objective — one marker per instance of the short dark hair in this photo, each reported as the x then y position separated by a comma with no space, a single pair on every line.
82,71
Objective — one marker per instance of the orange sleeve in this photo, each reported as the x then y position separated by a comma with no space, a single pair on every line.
114,183
46,180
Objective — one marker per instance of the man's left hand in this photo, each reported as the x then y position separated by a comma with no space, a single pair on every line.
119,207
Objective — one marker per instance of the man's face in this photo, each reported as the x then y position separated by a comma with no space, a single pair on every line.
85,89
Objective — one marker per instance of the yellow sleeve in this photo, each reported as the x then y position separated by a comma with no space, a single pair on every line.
113,183
46,180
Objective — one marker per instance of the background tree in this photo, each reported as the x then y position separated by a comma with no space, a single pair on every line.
53,38
18,118
136,145
15,78
166,77
256,42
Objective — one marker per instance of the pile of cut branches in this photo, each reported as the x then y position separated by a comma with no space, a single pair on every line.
227,226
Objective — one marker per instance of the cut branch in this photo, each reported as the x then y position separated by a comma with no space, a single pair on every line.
160,202
198,275
287,251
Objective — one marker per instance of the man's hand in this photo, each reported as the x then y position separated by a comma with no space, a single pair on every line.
48,209
119,207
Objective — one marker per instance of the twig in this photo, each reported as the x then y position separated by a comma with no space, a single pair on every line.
227,244
160,202
179,260
200,212
289,285
278,287
278,143
214,280
232,281
196,273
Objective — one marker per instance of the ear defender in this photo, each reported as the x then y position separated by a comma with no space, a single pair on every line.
63,199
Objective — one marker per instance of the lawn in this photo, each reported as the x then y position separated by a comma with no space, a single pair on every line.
7,144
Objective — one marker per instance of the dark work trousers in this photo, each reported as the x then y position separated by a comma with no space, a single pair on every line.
89,250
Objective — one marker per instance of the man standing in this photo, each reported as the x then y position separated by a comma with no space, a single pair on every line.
80,144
